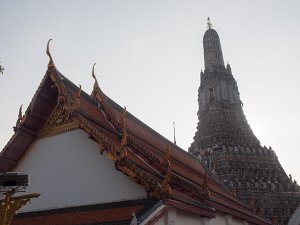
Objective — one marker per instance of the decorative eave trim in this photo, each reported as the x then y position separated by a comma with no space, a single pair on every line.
105,144
44,133
60,119
207,212
147,152
150,182
98,95
237,211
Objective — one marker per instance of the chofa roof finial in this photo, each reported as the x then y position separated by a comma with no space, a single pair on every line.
96,85
93,72
209,24
51,63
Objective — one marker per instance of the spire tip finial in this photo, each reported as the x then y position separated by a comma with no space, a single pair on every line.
209,24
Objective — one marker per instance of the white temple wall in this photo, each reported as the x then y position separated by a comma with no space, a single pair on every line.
68,170
179,217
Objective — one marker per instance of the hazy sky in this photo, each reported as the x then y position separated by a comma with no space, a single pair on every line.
149,55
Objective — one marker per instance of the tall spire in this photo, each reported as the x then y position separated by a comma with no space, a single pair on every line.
225,143
221,117
213,55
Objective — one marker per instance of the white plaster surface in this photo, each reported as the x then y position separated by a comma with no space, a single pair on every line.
68,170
153,215
295,219
185,218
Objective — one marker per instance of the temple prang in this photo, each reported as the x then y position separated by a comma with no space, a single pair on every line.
225,143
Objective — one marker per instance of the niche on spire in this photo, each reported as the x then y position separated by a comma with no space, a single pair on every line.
211,95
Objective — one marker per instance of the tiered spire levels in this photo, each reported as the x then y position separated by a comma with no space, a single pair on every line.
225,143
212,48
221,117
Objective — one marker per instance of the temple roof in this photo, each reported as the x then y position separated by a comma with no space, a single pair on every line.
116,213
165,170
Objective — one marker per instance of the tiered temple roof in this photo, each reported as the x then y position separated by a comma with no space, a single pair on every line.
227,146
166,172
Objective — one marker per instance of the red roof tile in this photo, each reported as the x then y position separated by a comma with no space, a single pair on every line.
108,213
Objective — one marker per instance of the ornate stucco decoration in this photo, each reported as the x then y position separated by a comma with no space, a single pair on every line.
71,104
147,152
60,120
144,149
97,133
163,188
206,187
122,151
98,95
20,119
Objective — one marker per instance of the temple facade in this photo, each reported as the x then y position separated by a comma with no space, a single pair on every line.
226,145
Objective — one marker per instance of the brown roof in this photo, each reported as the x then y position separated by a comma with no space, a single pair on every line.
139,151
117,213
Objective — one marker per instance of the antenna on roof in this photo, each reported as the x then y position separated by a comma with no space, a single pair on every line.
174,132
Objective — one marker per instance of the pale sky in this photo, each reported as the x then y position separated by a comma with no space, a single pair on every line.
149,55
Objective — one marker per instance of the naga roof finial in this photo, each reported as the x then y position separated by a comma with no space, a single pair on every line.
20,119
51,63
96,85
78,93
93,72
209,24
122,151
20,116
165,161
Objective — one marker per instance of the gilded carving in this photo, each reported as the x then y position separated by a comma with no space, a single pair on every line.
122,150
98,95
20,119
10,205
123,165
51,63
163,188
205,187
72,104
59,122
165,162
104,142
